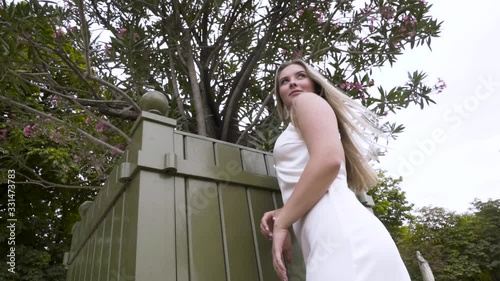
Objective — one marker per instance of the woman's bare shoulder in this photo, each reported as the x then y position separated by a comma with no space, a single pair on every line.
311,101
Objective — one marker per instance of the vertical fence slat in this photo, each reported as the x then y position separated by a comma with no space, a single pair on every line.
198,150
241,259
96,269
270,165
261,201
205,241
106,243
115,240
253,162
181,232
129,235
86,262
156,228
90,268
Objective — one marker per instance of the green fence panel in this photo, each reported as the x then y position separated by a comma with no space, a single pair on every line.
183,207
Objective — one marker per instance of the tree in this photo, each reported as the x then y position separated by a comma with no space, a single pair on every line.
391,206
457,246
488,215
85,65
43,230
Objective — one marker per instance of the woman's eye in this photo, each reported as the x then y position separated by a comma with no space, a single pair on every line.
284,81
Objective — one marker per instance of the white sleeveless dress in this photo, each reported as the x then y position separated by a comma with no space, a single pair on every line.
340,239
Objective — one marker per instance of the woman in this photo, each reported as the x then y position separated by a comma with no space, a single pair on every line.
320,166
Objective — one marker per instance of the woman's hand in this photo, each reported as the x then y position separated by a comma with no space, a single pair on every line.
267,223
282,244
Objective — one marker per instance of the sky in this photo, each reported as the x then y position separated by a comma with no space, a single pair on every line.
449,153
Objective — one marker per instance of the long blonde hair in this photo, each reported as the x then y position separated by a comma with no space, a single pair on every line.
357,127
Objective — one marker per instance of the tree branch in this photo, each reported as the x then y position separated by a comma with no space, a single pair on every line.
89,136
261,109
197,99
175,88
47,184
120,132
242,78
86,52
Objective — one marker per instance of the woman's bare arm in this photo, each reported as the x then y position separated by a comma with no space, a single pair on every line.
317,123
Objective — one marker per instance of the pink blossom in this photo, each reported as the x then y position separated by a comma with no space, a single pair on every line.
88,121
441,85
342,86
54,136
365,10
27,131
372,82
136,36
301,11
122,31
118,146
372,28
133,114
358,86
58,33
319,15
296,54
107,49
283,51
3,133
99,127
53,101
422,2
387,12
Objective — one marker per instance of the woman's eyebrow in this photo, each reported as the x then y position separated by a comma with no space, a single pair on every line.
283,78
298,72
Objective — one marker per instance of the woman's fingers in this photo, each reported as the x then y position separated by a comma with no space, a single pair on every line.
279,267
279,236
266,224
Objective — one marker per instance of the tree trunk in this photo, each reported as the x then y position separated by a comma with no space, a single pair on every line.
425,269
197,100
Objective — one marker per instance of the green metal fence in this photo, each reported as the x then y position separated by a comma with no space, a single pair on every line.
179,207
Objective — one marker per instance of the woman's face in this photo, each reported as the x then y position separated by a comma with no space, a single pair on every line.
293,81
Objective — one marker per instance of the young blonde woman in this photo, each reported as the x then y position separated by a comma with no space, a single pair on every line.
320,164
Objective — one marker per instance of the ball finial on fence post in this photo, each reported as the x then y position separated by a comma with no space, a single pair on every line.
154,102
